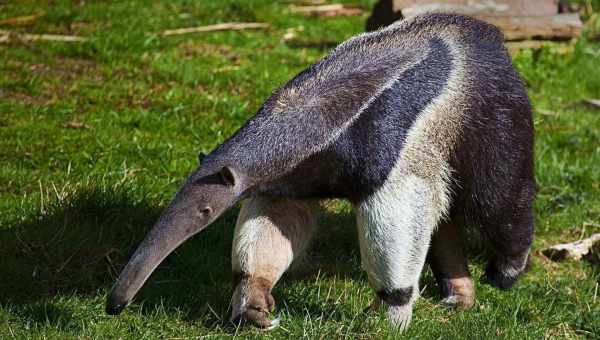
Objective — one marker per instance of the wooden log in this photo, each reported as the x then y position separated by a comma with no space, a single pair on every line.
559,26
484,7
518,19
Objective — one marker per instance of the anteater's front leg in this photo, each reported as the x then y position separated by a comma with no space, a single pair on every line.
269,234
395,227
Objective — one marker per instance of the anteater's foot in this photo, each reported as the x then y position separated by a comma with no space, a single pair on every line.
252,304
458,293
503,272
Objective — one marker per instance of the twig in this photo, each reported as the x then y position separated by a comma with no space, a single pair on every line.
6,36
228,26
21,20
75,125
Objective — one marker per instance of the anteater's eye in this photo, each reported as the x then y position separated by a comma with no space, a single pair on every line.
206,211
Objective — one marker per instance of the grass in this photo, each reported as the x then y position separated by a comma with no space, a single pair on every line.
95,138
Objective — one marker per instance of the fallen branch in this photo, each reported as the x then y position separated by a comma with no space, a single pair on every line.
6,36
593,102
574,250
331,10
229,26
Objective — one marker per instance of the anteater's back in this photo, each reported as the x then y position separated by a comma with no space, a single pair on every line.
418,90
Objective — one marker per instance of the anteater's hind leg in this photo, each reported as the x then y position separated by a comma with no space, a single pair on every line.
448,261
269,234
508,225
395,226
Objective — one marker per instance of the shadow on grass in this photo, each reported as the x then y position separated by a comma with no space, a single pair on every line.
74,247
78,247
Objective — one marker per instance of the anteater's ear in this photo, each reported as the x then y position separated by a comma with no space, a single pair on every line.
227,176
201,156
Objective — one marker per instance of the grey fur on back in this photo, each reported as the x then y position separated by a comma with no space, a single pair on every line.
299,130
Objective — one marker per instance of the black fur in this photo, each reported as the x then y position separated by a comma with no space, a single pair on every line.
494,180
396,297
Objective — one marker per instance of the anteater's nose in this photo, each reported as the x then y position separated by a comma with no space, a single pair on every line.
114,308
115,304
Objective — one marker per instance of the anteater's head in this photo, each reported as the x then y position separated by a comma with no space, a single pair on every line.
203,198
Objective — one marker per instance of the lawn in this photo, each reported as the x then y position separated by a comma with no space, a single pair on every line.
96,136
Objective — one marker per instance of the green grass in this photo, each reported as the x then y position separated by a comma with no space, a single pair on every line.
95,138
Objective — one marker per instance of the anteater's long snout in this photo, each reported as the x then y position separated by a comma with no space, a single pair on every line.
171,231
197,204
